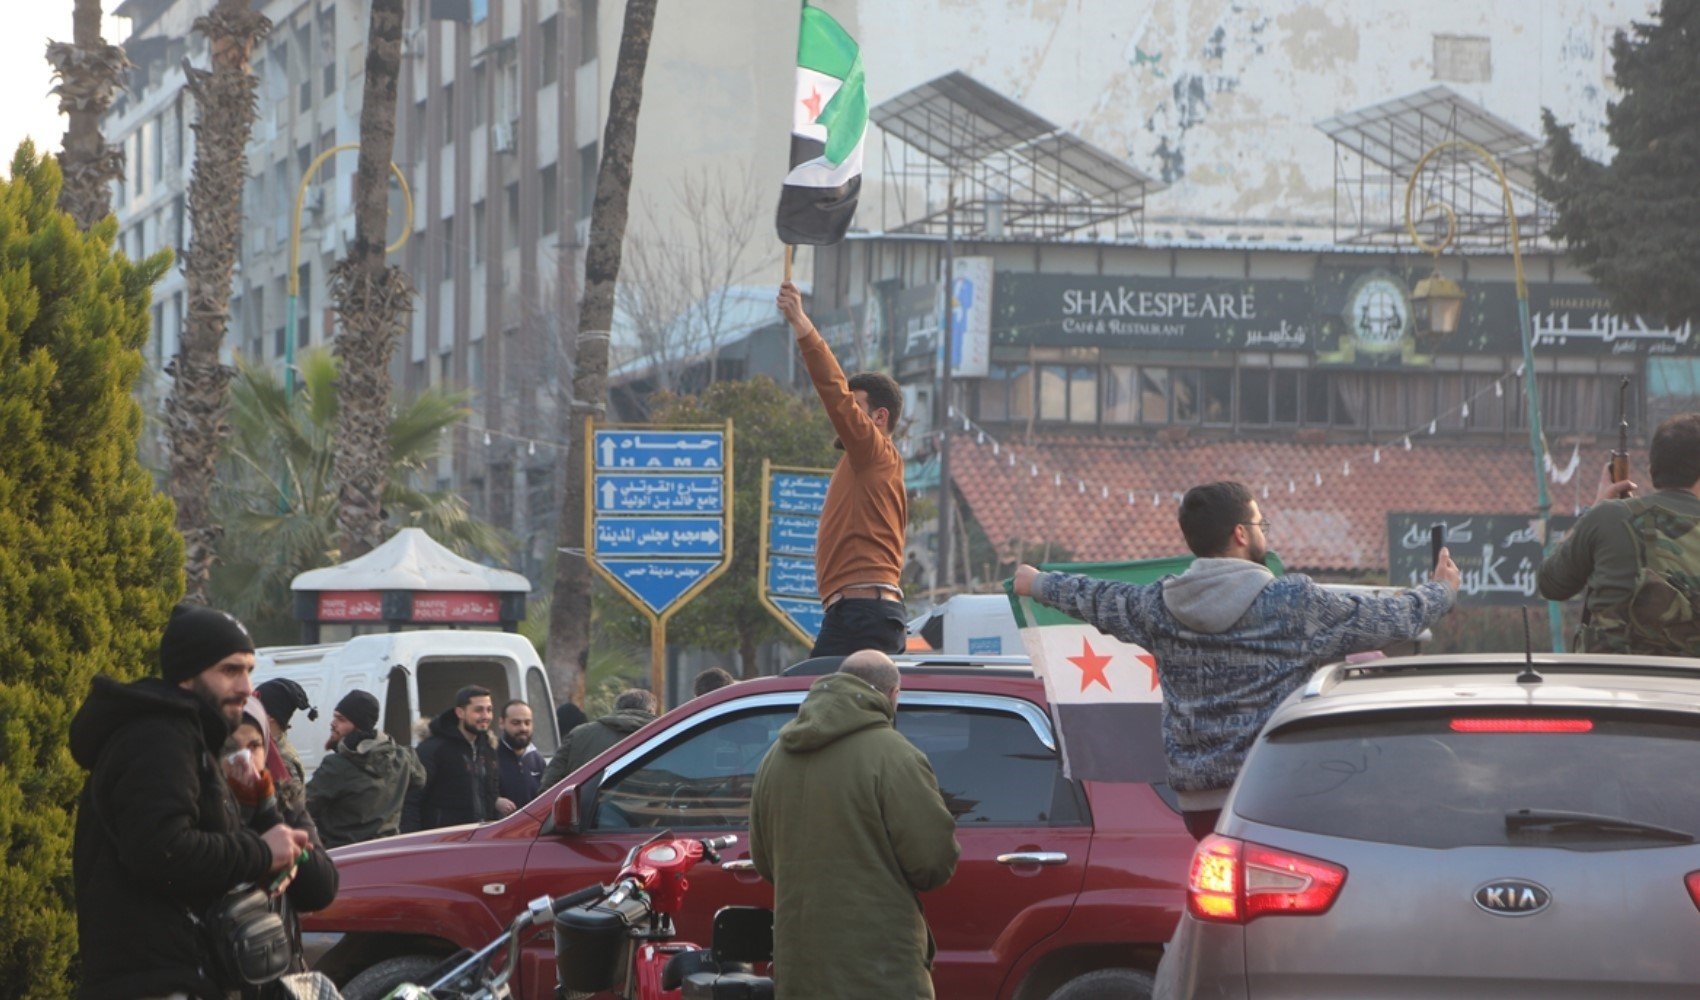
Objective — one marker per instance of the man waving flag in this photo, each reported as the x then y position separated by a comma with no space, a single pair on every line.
829,121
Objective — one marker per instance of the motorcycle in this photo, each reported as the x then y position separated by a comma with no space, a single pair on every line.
625,941
621,938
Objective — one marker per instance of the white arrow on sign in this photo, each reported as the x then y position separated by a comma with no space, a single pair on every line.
608,453
607,494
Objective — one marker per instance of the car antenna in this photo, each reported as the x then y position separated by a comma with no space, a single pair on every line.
1528,676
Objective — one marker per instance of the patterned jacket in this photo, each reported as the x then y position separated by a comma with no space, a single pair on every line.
1223,673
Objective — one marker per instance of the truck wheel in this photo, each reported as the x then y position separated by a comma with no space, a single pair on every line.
1107,984
376,982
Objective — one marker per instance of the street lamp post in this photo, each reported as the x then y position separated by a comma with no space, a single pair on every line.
295,251
1439,302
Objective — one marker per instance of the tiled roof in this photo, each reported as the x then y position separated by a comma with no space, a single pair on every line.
1341,525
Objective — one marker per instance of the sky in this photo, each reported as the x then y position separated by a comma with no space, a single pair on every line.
28,110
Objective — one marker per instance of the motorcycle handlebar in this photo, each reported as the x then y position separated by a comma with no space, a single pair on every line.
716,843
572,899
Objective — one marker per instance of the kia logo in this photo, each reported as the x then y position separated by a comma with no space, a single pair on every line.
1513,897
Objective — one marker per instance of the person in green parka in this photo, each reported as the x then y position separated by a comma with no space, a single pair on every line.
847,822
359,788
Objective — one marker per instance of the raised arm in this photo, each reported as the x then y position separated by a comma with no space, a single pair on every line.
860,435
1106,605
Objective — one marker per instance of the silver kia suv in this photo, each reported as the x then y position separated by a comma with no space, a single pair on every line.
1461,826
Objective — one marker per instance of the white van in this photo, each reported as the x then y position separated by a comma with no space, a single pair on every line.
412,674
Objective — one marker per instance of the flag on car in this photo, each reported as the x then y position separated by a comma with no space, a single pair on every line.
829,121
1104,694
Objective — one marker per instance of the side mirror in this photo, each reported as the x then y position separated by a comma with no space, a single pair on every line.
572,808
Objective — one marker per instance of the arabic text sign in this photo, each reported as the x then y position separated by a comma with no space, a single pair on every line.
791,577
797,493
807,613
659,536
698,451
788,534
659,582
658,493
1497,554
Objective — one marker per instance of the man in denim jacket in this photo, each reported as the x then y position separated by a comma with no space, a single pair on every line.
1230,638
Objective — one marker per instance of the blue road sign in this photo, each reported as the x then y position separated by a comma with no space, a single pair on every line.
659,582
796,493
660,536
791,577
697,451
790,535
806,613
658,493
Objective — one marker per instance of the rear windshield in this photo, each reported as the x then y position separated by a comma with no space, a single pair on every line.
1414,781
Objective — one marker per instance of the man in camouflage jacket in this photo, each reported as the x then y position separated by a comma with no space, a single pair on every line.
1636,560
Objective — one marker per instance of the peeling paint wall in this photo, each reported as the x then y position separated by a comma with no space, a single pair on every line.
1220,98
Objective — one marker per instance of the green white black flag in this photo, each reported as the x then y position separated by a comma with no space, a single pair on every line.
829,122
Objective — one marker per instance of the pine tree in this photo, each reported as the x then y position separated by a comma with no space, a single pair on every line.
1634,224
89,563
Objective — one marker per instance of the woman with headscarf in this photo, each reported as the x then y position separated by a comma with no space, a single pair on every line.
255,771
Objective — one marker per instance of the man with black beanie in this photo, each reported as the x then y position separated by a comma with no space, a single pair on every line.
282,698
158,838
359,788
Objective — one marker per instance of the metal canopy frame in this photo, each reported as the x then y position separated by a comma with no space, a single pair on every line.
1015,174
1376,148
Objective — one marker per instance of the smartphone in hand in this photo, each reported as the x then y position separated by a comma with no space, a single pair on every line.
1436,542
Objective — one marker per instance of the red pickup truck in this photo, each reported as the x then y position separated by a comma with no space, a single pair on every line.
1065,890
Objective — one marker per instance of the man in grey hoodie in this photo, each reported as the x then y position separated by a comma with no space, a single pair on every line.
1231,639
359,789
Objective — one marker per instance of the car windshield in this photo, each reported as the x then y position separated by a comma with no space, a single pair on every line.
1416,781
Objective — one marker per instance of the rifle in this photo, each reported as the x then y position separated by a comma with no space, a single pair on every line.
1620,457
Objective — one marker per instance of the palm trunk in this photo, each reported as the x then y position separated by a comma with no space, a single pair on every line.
569,613
372,301
195,413
89,72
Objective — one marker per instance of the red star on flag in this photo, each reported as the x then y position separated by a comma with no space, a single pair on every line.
1091,666
812,102
1151,665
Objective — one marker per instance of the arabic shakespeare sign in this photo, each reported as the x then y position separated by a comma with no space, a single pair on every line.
1497,554
1202,314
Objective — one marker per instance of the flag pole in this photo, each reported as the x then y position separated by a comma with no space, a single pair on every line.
789,249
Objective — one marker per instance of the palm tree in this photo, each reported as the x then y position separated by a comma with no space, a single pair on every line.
569,611
277,491
89,72
372,299
196,411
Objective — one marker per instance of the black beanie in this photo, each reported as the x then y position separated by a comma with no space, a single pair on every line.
360,708
282,697
196,638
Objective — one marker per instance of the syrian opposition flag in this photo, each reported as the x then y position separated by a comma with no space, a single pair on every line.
1104,695
829,121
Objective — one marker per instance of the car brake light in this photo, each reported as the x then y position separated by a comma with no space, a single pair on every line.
1232,881
1522,725
1693,881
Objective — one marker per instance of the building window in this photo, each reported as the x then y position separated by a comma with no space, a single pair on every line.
587,164
1254,397
586,31
1068,393
1463,58
158,150
480,93
1216,395
446,249
416,131
448,113
550,199
478,222
551,32
327,48
510,221
304,311
277,342
1121,394
1007,393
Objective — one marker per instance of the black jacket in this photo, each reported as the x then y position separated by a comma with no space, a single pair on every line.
462,779
157,838
520,772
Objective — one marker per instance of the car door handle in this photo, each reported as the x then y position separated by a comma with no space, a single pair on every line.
742,865
1033,858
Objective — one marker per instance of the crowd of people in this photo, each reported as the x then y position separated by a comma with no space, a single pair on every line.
195,795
